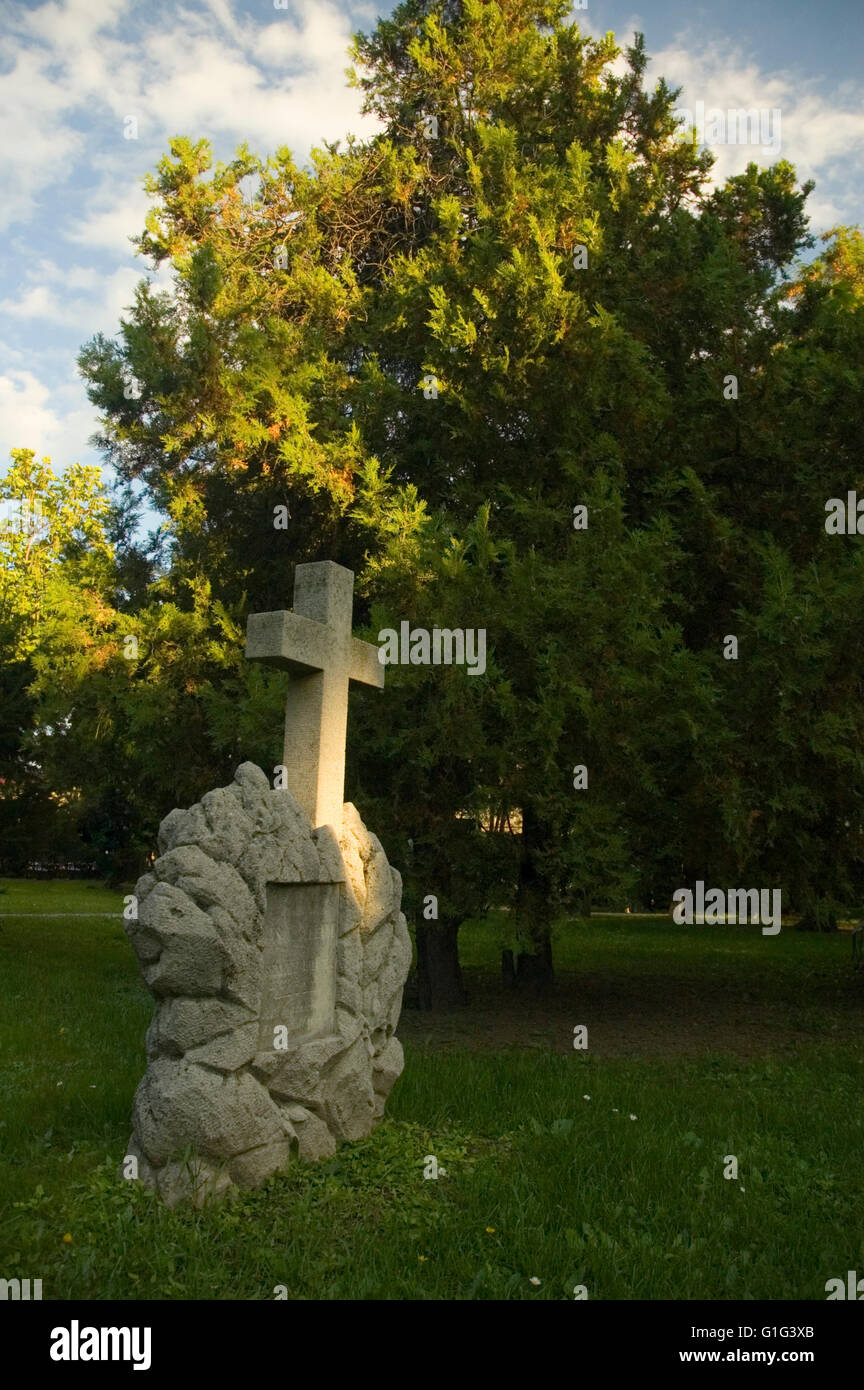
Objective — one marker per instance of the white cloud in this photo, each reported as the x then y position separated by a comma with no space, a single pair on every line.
821,134
36,303
73,24
280,84
53,302
222,13
74,74
54,420
822,137
36,147
116,212
118,294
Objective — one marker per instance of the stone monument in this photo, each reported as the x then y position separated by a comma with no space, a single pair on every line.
270,933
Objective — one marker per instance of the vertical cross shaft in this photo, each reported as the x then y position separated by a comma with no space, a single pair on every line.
316,705
314,643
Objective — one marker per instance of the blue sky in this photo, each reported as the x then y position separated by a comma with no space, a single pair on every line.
72,73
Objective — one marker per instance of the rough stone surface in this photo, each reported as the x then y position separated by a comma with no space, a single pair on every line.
213,1110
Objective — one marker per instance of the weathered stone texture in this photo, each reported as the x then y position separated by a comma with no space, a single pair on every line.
213,1109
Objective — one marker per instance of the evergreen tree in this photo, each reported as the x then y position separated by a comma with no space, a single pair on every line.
430,350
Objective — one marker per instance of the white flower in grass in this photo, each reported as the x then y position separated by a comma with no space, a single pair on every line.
533,1279
634,1117
586,1097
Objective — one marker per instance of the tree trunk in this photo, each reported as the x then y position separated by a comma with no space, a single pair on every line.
535,906
817,916
508,969
534,969
439,975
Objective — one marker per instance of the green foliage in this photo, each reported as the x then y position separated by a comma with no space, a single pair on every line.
56,567
286,370
54,552
102,694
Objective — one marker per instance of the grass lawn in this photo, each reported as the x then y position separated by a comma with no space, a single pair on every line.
28,895
717,1040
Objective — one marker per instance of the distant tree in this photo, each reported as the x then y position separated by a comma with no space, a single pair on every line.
55,569
118,701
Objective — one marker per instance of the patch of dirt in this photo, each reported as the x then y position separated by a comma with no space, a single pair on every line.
642,1017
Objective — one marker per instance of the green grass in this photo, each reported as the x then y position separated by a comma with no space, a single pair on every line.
576,1192
56,895
656,946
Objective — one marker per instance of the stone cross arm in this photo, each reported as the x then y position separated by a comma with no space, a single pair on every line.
301,645
314,644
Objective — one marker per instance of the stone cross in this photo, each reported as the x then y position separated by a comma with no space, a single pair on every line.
315,645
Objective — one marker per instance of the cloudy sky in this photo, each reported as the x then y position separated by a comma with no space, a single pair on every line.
73,73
